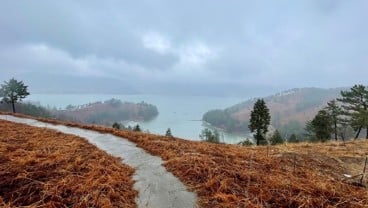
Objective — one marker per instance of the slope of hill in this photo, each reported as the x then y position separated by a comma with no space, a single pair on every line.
108,112
289,110
297,175
28,109
105,113
45,168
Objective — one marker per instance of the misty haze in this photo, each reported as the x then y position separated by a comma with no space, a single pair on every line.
188,81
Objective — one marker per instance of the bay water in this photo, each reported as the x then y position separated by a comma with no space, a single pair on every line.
182,114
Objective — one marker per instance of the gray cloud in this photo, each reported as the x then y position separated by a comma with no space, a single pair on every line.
210,45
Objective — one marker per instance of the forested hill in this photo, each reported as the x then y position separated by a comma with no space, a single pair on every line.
105,113
108,112
289,110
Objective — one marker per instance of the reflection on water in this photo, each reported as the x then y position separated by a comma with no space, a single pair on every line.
182,114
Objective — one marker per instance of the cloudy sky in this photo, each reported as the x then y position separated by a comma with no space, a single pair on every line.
189,47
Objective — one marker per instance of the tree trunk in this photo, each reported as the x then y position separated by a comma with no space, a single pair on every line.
258,137
13,106
366,136
357,135
335,130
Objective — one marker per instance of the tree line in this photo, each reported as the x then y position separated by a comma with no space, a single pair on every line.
12,92
340,116
335,121
349,112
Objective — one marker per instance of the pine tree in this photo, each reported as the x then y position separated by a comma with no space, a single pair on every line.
168,133
210,136
259,121
293,139
276,138
320,127
137,128
116,125
335,112
355,105
13,91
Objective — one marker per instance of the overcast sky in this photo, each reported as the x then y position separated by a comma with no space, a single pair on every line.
191,46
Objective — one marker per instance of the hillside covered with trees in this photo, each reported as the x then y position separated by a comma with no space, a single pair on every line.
289,110
342,117
105,113
108,112
111,111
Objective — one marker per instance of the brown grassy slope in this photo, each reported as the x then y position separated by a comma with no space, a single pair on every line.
45,168
232,176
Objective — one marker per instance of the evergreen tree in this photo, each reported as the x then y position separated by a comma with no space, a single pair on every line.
320,127
210,136
335,112
345,130
246,142
355,105
13,91
137,128
259,121
116,125
168,133
293,139
276,138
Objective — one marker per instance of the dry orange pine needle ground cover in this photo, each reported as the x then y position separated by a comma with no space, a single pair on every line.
232,176
292,175
45,168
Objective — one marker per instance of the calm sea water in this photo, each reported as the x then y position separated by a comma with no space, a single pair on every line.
182,114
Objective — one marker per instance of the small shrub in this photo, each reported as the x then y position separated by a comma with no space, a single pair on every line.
116,125
210,136
246,142
168,133
276,138
137,128
293,139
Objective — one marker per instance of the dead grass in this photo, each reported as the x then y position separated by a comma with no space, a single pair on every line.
297,175
45,168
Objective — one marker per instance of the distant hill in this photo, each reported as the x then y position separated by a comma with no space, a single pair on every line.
104,113
27,108
108,112
289,110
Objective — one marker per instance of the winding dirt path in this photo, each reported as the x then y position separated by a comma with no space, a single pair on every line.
156,187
